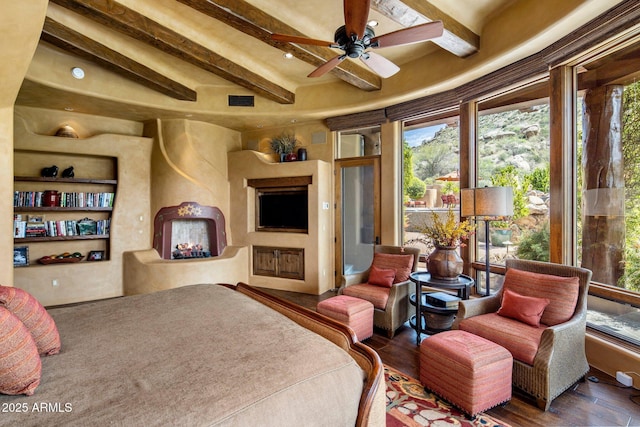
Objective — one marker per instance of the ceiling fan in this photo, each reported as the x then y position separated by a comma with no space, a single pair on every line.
355,37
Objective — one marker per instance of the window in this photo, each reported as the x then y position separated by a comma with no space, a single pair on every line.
358,143
513,151
431,164
608,188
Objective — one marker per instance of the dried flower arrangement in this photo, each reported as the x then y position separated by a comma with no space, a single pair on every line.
447,233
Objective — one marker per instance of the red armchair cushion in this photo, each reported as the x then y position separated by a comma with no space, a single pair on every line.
34,316
562,292
519,338
376,295
402,264
20,365
525,309
381,276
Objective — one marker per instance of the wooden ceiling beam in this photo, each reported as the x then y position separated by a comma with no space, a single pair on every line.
457,38
252,21
69,40
131,23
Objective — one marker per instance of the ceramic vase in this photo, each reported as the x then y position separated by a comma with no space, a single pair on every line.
445,263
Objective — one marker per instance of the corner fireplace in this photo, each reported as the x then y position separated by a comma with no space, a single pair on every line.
189,231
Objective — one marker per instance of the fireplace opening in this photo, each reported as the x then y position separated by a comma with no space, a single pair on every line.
190,239
189,231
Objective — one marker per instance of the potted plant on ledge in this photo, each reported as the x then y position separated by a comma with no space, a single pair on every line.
284,145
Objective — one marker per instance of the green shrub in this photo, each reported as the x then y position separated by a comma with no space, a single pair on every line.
416,188
539,179
534,245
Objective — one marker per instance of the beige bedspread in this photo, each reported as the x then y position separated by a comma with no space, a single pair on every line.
191,356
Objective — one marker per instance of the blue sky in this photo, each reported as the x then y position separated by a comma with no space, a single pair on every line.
414,137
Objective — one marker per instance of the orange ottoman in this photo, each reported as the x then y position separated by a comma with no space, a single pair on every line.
468,371
353,312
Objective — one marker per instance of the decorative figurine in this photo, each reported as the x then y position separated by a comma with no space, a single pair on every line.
50,172
68,172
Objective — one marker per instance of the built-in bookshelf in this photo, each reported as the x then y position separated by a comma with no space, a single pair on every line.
58,210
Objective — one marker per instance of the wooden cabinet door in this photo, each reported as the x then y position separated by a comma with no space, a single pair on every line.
278,262
265,261
291,263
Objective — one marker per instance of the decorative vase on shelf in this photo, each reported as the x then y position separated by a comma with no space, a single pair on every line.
302,154
445,263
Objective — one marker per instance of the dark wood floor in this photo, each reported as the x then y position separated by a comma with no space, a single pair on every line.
585,404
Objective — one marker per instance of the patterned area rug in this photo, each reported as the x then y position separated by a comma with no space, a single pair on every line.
410,405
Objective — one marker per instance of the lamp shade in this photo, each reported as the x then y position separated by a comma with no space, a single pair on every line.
486,201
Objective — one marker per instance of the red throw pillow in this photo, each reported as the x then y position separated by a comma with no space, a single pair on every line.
34,316
20,365
525,309
401,263
381,276
562,292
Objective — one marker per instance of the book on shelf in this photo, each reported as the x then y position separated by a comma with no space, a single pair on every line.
442,300
22,229
34,199
19,227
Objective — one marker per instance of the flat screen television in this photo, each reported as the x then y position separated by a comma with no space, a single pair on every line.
282,209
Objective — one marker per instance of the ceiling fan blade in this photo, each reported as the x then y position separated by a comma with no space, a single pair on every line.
379,64
356,15
327,66
301,40
416,34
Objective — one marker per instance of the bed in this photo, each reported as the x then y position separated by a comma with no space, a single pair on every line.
202,355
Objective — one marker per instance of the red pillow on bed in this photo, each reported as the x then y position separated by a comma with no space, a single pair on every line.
381,276
525,309
20,365
34,316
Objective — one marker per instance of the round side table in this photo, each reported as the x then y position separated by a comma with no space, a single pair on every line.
462,285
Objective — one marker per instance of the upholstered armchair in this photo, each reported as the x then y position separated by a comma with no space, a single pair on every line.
539,315
386,285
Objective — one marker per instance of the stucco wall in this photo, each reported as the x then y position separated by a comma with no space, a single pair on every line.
20,26
130,221
317,243
188,163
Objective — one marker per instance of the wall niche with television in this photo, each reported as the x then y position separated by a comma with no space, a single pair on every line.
282,204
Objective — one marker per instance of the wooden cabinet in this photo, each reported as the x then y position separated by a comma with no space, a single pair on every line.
278,262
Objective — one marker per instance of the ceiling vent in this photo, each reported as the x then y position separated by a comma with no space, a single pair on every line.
241,101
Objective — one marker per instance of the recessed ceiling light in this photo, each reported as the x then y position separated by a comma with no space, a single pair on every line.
68,108
288,55
293,120
77,72
372,23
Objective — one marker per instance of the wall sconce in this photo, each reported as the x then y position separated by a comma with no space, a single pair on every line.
67,131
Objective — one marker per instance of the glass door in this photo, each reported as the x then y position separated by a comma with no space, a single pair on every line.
357,214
